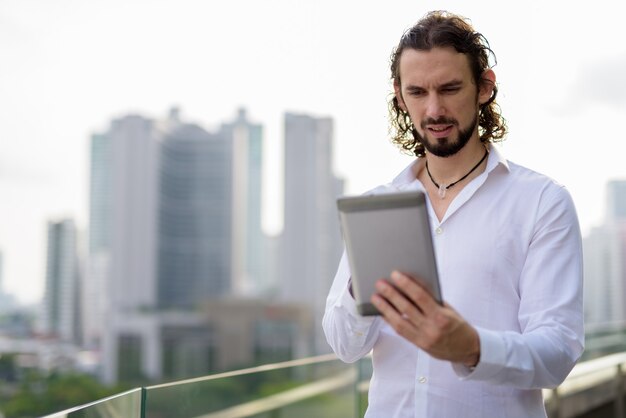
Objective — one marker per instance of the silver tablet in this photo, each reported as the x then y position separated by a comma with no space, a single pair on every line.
383,233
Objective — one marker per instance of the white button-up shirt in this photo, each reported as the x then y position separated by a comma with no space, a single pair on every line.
509,258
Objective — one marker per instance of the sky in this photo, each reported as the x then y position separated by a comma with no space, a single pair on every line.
67,67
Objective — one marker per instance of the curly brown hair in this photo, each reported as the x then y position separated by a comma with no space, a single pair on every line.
444,29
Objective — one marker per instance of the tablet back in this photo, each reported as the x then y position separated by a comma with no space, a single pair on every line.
383,233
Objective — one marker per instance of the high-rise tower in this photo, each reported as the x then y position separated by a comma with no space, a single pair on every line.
195,239
61,309
605,262
249,252
122,223
311,240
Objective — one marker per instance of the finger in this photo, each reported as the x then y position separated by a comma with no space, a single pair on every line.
399,301
385,308
395,319
417,294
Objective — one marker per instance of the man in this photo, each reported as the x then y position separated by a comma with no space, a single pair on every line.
507,243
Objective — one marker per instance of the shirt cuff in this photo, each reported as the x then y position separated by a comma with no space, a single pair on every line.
360,323
492,357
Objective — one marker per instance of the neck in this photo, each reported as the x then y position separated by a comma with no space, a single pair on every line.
446,170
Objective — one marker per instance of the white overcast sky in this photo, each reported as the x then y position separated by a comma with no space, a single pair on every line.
67,67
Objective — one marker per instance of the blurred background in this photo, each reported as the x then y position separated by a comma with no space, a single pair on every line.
169,169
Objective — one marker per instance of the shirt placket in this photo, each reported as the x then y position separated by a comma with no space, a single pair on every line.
422,377
421,385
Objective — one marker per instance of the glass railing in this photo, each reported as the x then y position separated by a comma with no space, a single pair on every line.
123,405
321,386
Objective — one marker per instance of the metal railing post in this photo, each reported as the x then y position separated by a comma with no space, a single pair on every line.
144,405
357,391
619,393
554,404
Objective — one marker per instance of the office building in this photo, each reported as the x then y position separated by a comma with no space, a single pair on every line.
120,271
7,302
122,224
195,217
616,201
249,246
605,262
311,239
61,311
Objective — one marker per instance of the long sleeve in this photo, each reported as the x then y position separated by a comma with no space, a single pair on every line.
550,312
350,335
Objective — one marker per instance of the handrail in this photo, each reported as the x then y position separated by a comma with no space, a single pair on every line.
263,368
589,374
288,397
607,370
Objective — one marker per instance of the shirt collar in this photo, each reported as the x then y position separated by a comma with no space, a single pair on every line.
495,159
407,176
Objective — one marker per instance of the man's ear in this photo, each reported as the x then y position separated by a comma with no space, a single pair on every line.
487,85
398,92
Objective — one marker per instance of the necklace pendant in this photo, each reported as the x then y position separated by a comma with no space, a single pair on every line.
442,191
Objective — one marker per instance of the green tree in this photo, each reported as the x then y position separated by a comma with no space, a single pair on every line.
40,395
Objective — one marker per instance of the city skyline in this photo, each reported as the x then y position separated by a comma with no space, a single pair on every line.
69,74
174,227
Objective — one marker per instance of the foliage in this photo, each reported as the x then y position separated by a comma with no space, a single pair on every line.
8,369
39,395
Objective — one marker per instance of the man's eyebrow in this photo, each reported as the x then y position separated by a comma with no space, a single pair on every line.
449,84
453,83
413,89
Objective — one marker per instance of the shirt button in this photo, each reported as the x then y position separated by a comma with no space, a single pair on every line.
438,231
422,379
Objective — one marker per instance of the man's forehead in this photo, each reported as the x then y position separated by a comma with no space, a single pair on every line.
437,64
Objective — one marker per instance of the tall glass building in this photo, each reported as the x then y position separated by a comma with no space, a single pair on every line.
122,226
195,217
249,246
61,311
311,239
605,262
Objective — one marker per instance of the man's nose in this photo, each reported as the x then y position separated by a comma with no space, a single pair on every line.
435,106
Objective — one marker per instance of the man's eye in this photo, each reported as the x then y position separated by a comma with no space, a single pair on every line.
450,89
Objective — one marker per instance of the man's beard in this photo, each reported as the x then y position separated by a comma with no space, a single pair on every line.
445,147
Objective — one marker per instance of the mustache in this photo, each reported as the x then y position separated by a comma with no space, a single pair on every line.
439,121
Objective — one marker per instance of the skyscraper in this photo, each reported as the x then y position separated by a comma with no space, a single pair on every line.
599,267
616,201
120,274
7,302
249,246
605,262
211,243
61,310
311,241
195,217
122,223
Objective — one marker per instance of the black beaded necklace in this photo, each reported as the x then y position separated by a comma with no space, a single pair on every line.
442,188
